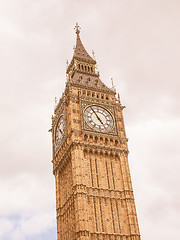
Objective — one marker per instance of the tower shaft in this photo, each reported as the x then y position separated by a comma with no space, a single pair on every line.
94,195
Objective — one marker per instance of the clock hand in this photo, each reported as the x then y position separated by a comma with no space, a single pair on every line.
98,117
60,131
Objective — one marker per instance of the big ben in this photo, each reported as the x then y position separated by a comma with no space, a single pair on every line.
94,195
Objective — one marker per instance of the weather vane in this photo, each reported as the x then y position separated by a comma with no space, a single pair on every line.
77,28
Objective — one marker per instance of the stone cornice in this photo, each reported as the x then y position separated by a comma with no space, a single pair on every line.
81,189
91,88
60,162
87,73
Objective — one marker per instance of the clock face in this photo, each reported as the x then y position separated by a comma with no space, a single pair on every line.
59,130
98,118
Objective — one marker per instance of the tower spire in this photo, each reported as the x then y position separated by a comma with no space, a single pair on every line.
89,139
80,55
82,69
77,29
79,50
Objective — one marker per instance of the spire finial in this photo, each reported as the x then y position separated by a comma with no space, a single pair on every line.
67,64
93,53
113,87
55,100
112,82
77,28
119,99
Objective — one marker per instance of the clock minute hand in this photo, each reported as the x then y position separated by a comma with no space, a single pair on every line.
97,116
60,131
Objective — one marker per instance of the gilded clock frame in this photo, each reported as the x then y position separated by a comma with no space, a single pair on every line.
61,112
109,108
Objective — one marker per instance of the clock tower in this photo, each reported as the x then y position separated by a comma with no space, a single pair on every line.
94,195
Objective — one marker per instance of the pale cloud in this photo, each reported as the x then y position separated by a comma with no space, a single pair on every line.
9,29
154,157
26,190
37,224
27,227
6,226
27,206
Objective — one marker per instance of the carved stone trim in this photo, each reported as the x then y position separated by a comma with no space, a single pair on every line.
91,88
109,108
59,160
81,189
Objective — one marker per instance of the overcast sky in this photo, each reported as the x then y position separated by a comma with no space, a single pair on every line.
137,44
